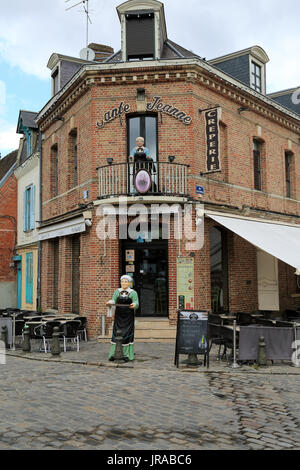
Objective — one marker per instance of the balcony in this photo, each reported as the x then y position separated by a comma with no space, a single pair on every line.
157,179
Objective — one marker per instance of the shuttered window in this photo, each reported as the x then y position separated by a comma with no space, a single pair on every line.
29,208
29,278
140,38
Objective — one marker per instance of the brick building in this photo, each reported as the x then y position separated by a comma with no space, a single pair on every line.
8,230
218,143
27,173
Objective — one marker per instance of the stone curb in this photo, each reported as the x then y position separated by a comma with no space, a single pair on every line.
128,366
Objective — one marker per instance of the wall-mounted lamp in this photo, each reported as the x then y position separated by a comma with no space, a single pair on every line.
243,108
140,93
88,222
109,160
171,158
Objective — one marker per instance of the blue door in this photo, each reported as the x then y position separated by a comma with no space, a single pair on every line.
19,284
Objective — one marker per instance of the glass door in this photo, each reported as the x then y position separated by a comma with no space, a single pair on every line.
149,270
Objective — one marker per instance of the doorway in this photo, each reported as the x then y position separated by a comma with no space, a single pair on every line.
147,264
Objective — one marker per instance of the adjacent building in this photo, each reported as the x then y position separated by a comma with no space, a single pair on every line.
8,230
27,173
223,152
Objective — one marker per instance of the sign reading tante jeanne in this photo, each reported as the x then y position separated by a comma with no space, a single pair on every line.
212,140
157,105
169,109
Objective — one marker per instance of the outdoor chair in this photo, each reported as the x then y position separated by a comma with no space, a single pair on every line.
244,319
265,322
70,332
215,336
82,328
37,318
284,324
292,315
227,336
47,332
19,327
35,331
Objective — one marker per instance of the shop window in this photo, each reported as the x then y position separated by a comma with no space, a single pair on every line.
55,274
219,270
76,274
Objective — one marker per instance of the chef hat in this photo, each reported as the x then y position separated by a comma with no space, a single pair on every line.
128,278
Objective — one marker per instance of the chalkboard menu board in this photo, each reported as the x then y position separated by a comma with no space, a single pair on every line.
192,334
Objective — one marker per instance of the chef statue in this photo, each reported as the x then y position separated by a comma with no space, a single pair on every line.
140,153
126,301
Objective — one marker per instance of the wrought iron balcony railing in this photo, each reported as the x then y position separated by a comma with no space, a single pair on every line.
164,178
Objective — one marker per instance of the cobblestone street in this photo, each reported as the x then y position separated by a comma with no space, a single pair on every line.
68,405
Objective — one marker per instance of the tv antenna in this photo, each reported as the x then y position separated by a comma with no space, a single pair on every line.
86,11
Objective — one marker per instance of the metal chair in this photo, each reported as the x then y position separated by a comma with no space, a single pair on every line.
227,336
70,332
215,336
284,324
35,331
82,328
244,318
265,322
47,332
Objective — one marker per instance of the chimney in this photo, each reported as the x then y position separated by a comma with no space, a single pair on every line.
102,52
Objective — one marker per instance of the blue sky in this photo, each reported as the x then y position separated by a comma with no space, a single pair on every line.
28,37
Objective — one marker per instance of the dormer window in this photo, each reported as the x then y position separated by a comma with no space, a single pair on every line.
256,77
140,36
55,82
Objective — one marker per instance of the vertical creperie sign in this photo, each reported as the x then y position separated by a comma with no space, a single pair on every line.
212,140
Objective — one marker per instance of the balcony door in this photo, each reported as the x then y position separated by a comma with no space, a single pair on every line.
143,126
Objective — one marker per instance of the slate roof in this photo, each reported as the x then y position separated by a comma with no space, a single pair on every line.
7,162
170,50
28,119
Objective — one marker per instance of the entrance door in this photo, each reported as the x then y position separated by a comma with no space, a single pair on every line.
19,284
147,263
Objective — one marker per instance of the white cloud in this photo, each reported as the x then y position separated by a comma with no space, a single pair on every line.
2,94
9,140
28,36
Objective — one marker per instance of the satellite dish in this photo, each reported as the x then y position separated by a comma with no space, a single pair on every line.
87,54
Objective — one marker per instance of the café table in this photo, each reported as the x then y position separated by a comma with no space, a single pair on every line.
230,318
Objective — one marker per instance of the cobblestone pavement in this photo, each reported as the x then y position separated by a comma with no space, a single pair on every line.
69,405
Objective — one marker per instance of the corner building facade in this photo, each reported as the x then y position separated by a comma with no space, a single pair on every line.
216,144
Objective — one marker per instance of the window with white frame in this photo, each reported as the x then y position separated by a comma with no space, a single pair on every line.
256,77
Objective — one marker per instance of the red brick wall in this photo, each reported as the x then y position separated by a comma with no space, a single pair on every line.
8,207
232,187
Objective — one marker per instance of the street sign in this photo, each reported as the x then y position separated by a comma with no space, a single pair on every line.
200,190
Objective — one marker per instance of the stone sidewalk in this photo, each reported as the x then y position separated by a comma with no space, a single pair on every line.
158,356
